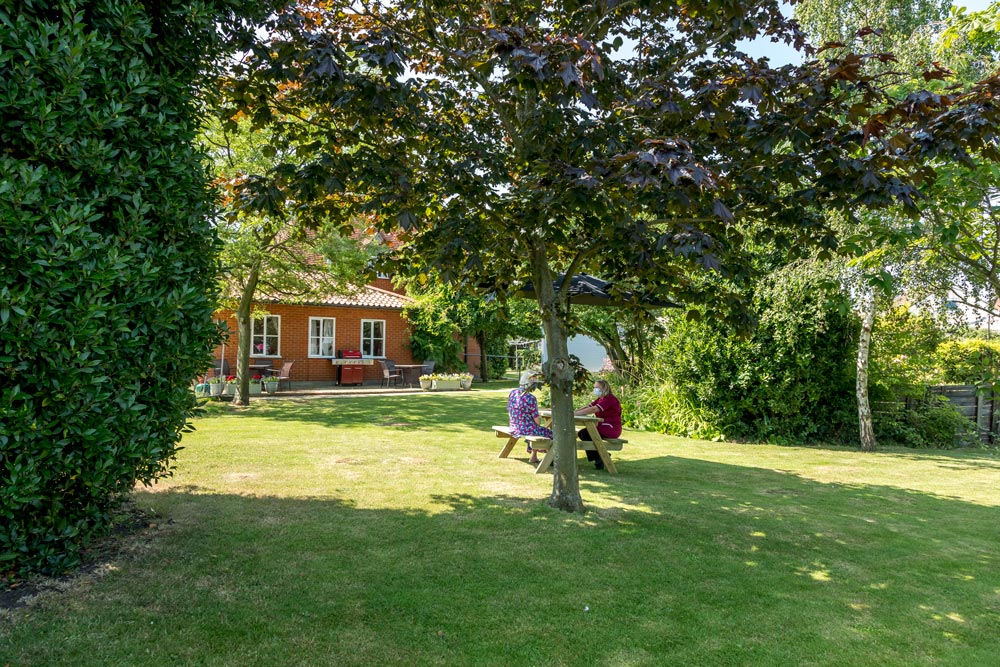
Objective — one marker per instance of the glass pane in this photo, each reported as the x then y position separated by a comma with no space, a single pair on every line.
328,328
313,346
377,346
271,324
379,325
366,329
328,348
314,327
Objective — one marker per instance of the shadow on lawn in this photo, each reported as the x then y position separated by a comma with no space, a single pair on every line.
679,561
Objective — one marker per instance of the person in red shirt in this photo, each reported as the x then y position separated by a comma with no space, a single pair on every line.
606,406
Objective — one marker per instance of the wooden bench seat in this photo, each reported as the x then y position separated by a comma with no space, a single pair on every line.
539,442
542,444
610,444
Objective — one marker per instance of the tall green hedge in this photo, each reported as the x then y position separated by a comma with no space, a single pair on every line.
791,380
107,259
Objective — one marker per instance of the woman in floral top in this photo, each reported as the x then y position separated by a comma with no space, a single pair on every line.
522,408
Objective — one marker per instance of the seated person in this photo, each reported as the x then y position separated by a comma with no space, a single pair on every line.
606,406
522,409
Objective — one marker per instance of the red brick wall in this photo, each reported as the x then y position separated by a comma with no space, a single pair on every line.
293,340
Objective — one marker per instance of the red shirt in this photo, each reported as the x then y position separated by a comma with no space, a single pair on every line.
610,410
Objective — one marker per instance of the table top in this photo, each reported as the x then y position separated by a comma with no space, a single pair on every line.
409,365
547,412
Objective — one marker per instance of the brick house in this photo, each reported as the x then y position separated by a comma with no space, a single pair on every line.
310,334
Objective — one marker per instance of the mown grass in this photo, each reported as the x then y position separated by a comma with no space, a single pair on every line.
384,531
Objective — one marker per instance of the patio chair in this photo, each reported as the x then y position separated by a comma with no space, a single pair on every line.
428,367
220,368
284,374
389,373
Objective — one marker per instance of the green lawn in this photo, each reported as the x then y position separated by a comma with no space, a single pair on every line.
384,531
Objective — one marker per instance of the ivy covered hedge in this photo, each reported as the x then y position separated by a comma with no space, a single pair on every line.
107,259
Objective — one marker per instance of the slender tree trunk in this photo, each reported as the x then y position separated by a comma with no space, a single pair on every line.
243,327
565,478
864,347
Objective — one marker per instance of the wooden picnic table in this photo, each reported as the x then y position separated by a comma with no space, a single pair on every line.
589,422
541,443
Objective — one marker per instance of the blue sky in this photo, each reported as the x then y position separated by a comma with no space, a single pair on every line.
780,54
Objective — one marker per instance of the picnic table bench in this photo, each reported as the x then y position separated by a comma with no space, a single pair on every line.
541,443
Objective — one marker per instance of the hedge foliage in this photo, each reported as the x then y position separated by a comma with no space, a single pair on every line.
968,361
107,259
791,380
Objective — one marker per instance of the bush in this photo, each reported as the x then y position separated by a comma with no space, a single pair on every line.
792,380
967,361
929,423
496,351
106,260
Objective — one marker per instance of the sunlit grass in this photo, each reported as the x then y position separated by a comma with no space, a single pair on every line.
384,531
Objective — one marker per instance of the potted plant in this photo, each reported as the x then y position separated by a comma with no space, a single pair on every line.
215,386
271,384
255,387
465,380
229,387
426,381
446,382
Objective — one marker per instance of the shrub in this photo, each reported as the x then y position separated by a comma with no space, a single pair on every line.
967,361
929,423
105,261
791,380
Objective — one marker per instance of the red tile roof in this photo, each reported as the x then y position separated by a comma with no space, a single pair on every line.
365,297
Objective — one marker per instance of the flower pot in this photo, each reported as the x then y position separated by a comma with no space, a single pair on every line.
229,389
426,384
445,385
215,389
466,384
255,389
271,387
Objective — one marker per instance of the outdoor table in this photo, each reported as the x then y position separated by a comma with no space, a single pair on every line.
260,369
590,422
411,373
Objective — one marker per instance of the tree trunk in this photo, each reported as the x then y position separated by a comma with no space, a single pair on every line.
565,478
864,346
243,328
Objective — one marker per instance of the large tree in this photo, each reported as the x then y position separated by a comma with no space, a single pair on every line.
518,140
880,242
271,252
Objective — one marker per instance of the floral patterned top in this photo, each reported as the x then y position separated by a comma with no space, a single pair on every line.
522,407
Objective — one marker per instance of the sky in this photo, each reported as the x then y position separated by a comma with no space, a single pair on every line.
780,54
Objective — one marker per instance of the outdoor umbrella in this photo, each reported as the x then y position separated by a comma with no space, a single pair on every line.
586,290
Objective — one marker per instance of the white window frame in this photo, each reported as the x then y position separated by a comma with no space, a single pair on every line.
321,337
261,323
371,339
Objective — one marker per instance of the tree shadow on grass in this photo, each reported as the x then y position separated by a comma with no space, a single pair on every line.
681,562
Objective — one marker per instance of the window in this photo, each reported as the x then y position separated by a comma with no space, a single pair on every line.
373,338
264,335
322,336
